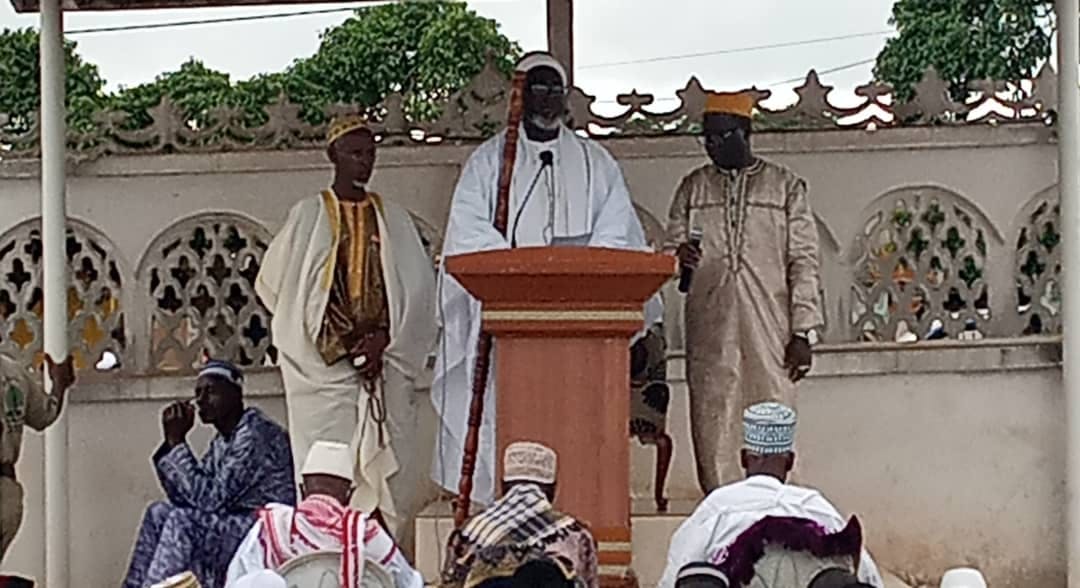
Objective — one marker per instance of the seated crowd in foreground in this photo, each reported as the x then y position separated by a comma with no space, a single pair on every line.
231,518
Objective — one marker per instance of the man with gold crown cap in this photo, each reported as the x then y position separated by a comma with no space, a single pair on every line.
322,521
753,300
565,190
352,292
523,518
720,528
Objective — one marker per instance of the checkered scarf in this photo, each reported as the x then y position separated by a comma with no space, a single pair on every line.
524,515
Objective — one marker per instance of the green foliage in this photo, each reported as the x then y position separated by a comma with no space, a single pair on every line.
425,50
194,88
965,41
20,78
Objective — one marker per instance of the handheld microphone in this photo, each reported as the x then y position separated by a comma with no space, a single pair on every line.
547,159
687,273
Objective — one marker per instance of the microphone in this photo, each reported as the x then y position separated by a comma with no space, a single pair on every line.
687,273
547,159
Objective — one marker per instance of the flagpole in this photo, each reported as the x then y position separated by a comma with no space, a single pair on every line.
54,280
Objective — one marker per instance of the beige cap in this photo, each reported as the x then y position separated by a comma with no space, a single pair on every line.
528,461
330,458
184,580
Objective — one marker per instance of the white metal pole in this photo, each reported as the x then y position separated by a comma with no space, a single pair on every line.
54,280
1068,50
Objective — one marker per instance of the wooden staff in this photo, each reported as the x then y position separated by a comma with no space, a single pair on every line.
483,347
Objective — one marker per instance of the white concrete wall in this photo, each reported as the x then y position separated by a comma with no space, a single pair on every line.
950,456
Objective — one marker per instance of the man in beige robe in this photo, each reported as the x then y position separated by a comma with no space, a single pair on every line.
352,292
753,300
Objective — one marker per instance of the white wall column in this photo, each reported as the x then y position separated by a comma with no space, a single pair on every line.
1068,51
54,279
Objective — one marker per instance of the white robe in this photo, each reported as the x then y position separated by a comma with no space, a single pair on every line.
730,510
327,403
583,200
249,562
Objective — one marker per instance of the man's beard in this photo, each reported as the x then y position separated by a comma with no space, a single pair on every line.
546,123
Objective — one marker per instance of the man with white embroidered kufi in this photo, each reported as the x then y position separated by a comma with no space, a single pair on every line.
351,289
767,456
523,517
579,199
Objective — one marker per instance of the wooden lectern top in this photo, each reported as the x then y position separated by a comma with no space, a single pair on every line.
564,277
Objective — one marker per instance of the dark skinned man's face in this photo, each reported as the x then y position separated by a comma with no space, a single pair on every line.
353,156
545,97
215,398
727,140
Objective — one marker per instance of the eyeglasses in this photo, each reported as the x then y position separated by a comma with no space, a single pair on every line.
545,90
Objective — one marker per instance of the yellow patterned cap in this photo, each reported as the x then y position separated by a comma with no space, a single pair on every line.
344,125
736,103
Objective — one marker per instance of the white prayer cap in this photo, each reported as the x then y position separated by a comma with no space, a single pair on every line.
261,579
527,461
963,578
769,428
536,59
329,458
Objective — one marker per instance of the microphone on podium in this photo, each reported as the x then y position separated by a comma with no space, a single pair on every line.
547,159
687,273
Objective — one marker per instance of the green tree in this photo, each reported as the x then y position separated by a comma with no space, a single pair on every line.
20,77
425,50
965,41
194,88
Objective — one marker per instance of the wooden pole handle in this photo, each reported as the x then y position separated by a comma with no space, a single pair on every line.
484,345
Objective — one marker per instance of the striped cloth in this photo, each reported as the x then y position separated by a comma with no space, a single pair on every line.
522,517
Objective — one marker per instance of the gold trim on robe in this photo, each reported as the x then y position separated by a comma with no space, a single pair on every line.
357,304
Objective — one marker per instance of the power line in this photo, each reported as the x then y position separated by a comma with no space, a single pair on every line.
826,71
736,50
188,23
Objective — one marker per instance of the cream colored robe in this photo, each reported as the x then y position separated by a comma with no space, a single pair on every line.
757,283
328,403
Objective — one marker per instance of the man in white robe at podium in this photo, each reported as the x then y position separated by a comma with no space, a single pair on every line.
566,190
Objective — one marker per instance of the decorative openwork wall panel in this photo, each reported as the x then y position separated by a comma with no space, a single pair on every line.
1038,266
919,265
96,332
200,275
479,109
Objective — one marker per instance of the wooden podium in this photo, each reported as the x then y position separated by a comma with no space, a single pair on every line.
562,318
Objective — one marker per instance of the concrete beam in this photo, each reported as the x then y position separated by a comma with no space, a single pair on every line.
560,19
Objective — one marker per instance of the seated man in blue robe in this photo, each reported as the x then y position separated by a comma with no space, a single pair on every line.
212,502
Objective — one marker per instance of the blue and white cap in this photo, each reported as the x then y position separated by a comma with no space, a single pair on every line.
217,368
769,428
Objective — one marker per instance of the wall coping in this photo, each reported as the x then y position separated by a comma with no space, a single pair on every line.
649,147
831,361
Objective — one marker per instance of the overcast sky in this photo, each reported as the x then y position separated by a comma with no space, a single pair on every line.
605,31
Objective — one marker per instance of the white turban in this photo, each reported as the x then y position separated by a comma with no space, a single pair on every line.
541,59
